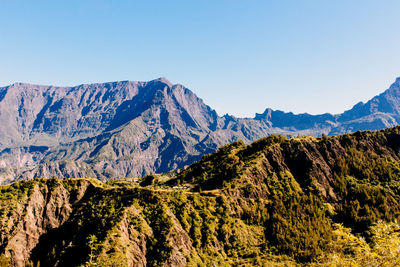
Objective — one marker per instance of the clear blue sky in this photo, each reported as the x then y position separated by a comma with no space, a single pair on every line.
239,56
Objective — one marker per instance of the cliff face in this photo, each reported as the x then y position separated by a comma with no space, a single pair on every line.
49,225
275,200
125,129
78,221
108,130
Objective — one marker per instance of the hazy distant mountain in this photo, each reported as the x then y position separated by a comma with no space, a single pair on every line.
124,129
382,111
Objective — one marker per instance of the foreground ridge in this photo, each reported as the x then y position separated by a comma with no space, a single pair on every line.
278,201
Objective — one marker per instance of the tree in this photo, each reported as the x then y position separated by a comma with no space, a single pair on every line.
92,243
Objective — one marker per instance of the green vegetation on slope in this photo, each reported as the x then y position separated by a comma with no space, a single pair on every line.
316,201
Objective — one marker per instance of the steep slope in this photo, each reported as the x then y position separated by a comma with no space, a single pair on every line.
387,102
125,129
36,115
122,129
314,201
344,170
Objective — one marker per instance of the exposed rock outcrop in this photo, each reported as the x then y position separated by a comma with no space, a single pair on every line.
124,129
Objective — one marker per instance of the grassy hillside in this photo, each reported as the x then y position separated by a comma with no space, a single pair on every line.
315,201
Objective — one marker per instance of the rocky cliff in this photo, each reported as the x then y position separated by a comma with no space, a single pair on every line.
125,129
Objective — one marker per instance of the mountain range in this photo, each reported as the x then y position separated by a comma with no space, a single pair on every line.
127,129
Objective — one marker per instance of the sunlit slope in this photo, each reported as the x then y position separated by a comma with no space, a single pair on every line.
315,201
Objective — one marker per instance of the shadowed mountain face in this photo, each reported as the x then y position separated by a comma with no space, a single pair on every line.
126,128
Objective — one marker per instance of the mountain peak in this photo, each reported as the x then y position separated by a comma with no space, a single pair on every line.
162,80
17,84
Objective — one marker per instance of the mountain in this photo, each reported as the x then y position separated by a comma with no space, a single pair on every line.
327,201
380,112
108,130
126,129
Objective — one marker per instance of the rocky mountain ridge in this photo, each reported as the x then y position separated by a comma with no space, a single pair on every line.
277,202
123,129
